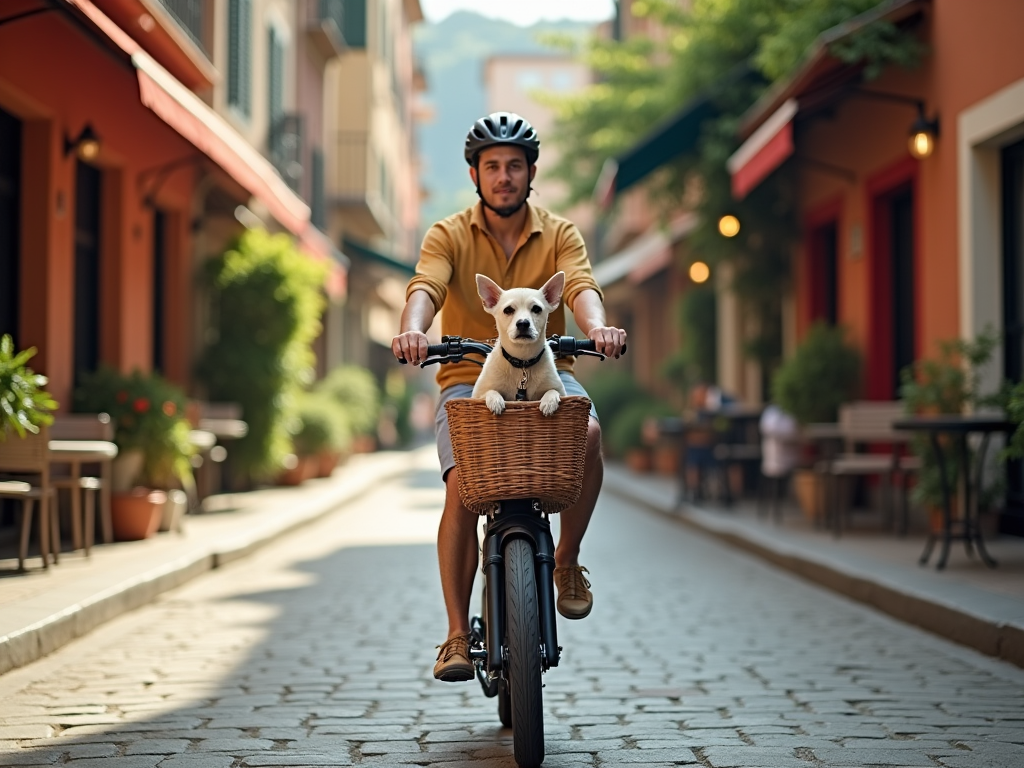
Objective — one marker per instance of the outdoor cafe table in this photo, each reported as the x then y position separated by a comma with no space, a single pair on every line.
958,428
75,453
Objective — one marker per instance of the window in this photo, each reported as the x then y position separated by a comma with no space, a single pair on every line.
275,76
240,55
87,270
159,287
529,79
354,30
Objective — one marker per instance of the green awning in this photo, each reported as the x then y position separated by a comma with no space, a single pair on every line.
675,136
364,251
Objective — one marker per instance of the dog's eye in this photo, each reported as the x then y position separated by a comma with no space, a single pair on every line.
535,309
509,311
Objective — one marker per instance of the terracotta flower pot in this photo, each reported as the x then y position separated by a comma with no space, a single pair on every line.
136,515
807,487
666,459
326,462
639,459
305,469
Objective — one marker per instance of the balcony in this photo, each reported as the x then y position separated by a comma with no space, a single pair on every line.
348,185
285,148
325,25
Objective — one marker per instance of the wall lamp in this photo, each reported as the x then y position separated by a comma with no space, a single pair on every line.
86,145
699,272
729,225
923,131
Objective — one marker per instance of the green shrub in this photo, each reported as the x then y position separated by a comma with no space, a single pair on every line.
266,304
612,392
320,424
147,412
625,431
823,373
24,404
355,389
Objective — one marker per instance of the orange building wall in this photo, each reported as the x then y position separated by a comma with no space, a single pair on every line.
57,78
974,50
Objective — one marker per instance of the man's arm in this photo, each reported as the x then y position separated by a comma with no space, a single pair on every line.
411,344
588,310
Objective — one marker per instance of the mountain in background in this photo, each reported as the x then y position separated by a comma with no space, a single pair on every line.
452,54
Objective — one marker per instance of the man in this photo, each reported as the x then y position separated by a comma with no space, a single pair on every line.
516,245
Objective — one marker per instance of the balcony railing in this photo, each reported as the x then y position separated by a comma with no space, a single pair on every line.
189,15
326,26
285,148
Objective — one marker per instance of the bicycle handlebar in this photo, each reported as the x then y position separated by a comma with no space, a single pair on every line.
453,349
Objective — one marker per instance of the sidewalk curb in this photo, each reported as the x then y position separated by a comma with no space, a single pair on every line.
989,636
20,648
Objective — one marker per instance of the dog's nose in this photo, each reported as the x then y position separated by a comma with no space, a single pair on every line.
523,325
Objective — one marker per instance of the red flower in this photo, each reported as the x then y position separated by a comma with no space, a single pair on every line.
141,405
170,408
122,396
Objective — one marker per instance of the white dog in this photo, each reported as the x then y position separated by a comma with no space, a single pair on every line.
522,361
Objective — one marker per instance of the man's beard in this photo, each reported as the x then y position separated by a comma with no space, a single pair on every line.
505,211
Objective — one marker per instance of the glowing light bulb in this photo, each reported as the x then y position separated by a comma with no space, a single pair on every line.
699,272
729,226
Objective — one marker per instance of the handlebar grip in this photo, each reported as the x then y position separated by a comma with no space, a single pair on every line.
435,350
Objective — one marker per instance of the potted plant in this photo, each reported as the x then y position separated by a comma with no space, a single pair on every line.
355,389
321,433
25,405
149,426
823,373
949,383
627,435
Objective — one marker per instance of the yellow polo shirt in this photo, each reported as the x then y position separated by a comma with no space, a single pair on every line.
457,248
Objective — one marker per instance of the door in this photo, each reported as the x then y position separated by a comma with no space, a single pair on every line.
893,306
87,269
10,217
1013,310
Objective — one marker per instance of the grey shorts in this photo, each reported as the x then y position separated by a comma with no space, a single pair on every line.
444,440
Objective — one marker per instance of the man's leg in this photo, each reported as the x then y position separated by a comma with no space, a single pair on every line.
575,519
458,556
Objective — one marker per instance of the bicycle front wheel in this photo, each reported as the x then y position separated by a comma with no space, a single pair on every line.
523,671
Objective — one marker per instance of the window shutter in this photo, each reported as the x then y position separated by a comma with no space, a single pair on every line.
317,204
240,55
275,77
354,30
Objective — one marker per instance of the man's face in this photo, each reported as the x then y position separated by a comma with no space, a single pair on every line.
504,177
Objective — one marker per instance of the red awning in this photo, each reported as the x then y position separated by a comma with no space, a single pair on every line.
187,114
764,151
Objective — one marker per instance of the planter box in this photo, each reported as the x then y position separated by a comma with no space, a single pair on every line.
136,515
808,487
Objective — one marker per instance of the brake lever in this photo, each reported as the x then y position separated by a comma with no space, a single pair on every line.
591,354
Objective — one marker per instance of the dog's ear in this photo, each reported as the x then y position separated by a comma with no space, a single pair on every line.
489,291
553,288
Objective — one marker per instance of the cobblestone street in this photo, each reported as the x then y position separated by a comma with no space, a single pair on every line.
317,651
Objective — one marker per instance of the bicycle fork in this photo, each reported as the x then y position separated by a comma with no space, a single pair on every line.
515,519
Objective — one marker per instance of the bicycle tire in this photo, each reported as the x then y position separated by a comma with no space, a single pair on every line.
523,670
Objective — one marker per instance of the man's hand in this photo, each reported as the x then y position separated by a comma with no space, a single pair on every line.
410,347
609,341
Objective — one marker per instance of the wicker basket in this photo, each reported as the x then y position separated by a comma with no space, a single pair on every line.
520,454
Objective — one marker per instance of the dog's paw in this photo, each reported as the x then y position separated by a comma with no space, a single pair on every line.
549,402
495,402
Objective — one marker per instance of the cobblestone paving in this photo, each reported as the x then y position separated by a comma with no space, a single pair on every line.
318,651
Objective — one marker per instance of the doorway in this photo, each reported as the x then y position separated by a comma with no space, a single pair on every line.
894,305
824,248
87,269
1012,162
10,220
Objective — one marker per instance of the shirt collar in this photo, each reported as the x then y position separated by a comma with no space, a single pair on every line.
533,222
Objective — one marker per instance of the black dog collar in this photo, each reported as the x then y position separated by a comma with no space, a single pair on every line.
515,362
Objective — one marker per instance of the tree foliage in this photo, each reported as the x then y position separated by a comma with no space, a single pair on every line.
703,51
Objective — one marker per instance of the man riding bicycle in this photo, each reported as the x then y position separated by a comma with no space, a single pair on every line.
517,245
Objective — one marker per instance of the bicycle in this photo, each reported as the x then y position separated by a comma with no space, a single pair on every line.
515,641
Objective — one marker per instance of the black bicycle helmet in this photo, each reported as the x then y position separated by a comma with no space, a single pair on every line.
502,128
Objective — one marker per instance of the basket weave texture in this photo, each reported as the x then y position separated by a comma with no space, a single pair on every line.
521,454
